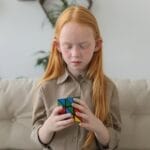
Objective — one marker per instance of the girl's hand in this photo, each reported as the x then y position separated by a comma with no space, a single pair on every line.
57,121
89,120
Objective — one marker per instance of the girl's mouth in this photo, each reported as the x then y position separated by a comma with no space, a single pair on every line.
75,62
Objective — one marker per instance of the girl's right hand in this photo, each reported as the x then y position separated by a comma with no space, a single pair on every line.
57,121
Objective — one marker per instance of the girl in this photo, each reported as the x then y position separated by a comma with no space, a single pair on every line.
75,69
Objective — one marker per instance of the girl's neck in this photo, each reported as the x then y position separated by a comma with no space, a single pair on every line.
77,73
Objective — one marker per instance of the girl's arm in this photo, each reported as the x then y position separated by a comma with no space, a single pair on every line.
106,135
91,122
44,127
54,123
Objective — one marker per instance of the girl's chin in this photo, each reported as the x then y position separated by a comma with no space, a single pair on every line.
76,71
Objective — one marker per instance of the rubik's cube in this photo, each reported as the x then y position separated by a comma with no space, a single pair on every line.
66,103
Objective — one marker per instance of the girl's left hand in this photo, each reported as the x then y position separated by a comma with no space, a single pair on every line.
89,120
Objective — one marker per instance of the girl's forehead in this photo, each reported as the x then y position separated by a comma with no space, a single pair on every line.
76,30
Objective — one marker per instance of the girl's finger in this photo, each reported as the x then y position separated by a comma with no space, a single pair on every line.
84,117
80,102
64,126
63,117
65,122
79,107
56,110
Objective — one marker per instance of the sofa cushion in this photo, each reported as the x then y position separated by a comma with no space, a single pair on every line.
15,114
135,111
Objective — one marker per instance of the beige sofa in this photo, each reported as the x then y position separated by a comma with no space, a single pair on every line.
16,108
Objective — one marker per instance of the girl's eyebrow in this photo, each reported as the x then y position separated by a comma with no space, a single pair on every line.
66,43
85,42
69,43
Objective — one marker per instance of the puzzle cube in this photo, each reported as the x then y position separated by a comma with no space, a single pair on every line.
66,103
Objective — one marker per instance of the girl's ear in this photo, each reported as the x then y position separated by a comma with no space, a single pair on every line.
98,45
56,44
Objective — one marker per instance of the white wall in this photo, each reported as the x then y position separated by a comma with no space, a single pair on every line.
24,29
125,28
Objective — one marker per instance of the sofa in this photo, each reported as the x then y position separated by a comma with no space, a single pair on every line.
16,111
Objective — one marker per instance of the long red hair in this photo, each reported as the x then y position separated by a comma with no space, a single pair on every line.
55,66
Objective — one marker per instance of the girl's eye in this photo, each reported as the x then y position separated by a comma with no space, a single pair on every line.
84,46
67,47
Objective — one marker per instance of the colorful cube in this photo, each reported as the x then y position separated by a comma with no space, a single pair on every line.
66,103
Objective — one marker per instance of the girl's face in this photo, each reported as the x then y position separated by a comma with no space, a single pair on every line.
77,45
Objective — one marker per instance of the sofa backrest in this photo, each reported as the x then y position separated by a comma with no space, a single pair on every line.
15,114
16,111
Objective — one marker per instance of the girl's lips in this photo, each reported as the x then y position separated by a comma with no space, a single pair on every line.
76,62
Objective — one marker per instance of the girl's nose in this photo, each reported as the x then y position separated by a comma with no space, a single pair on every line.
76,52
